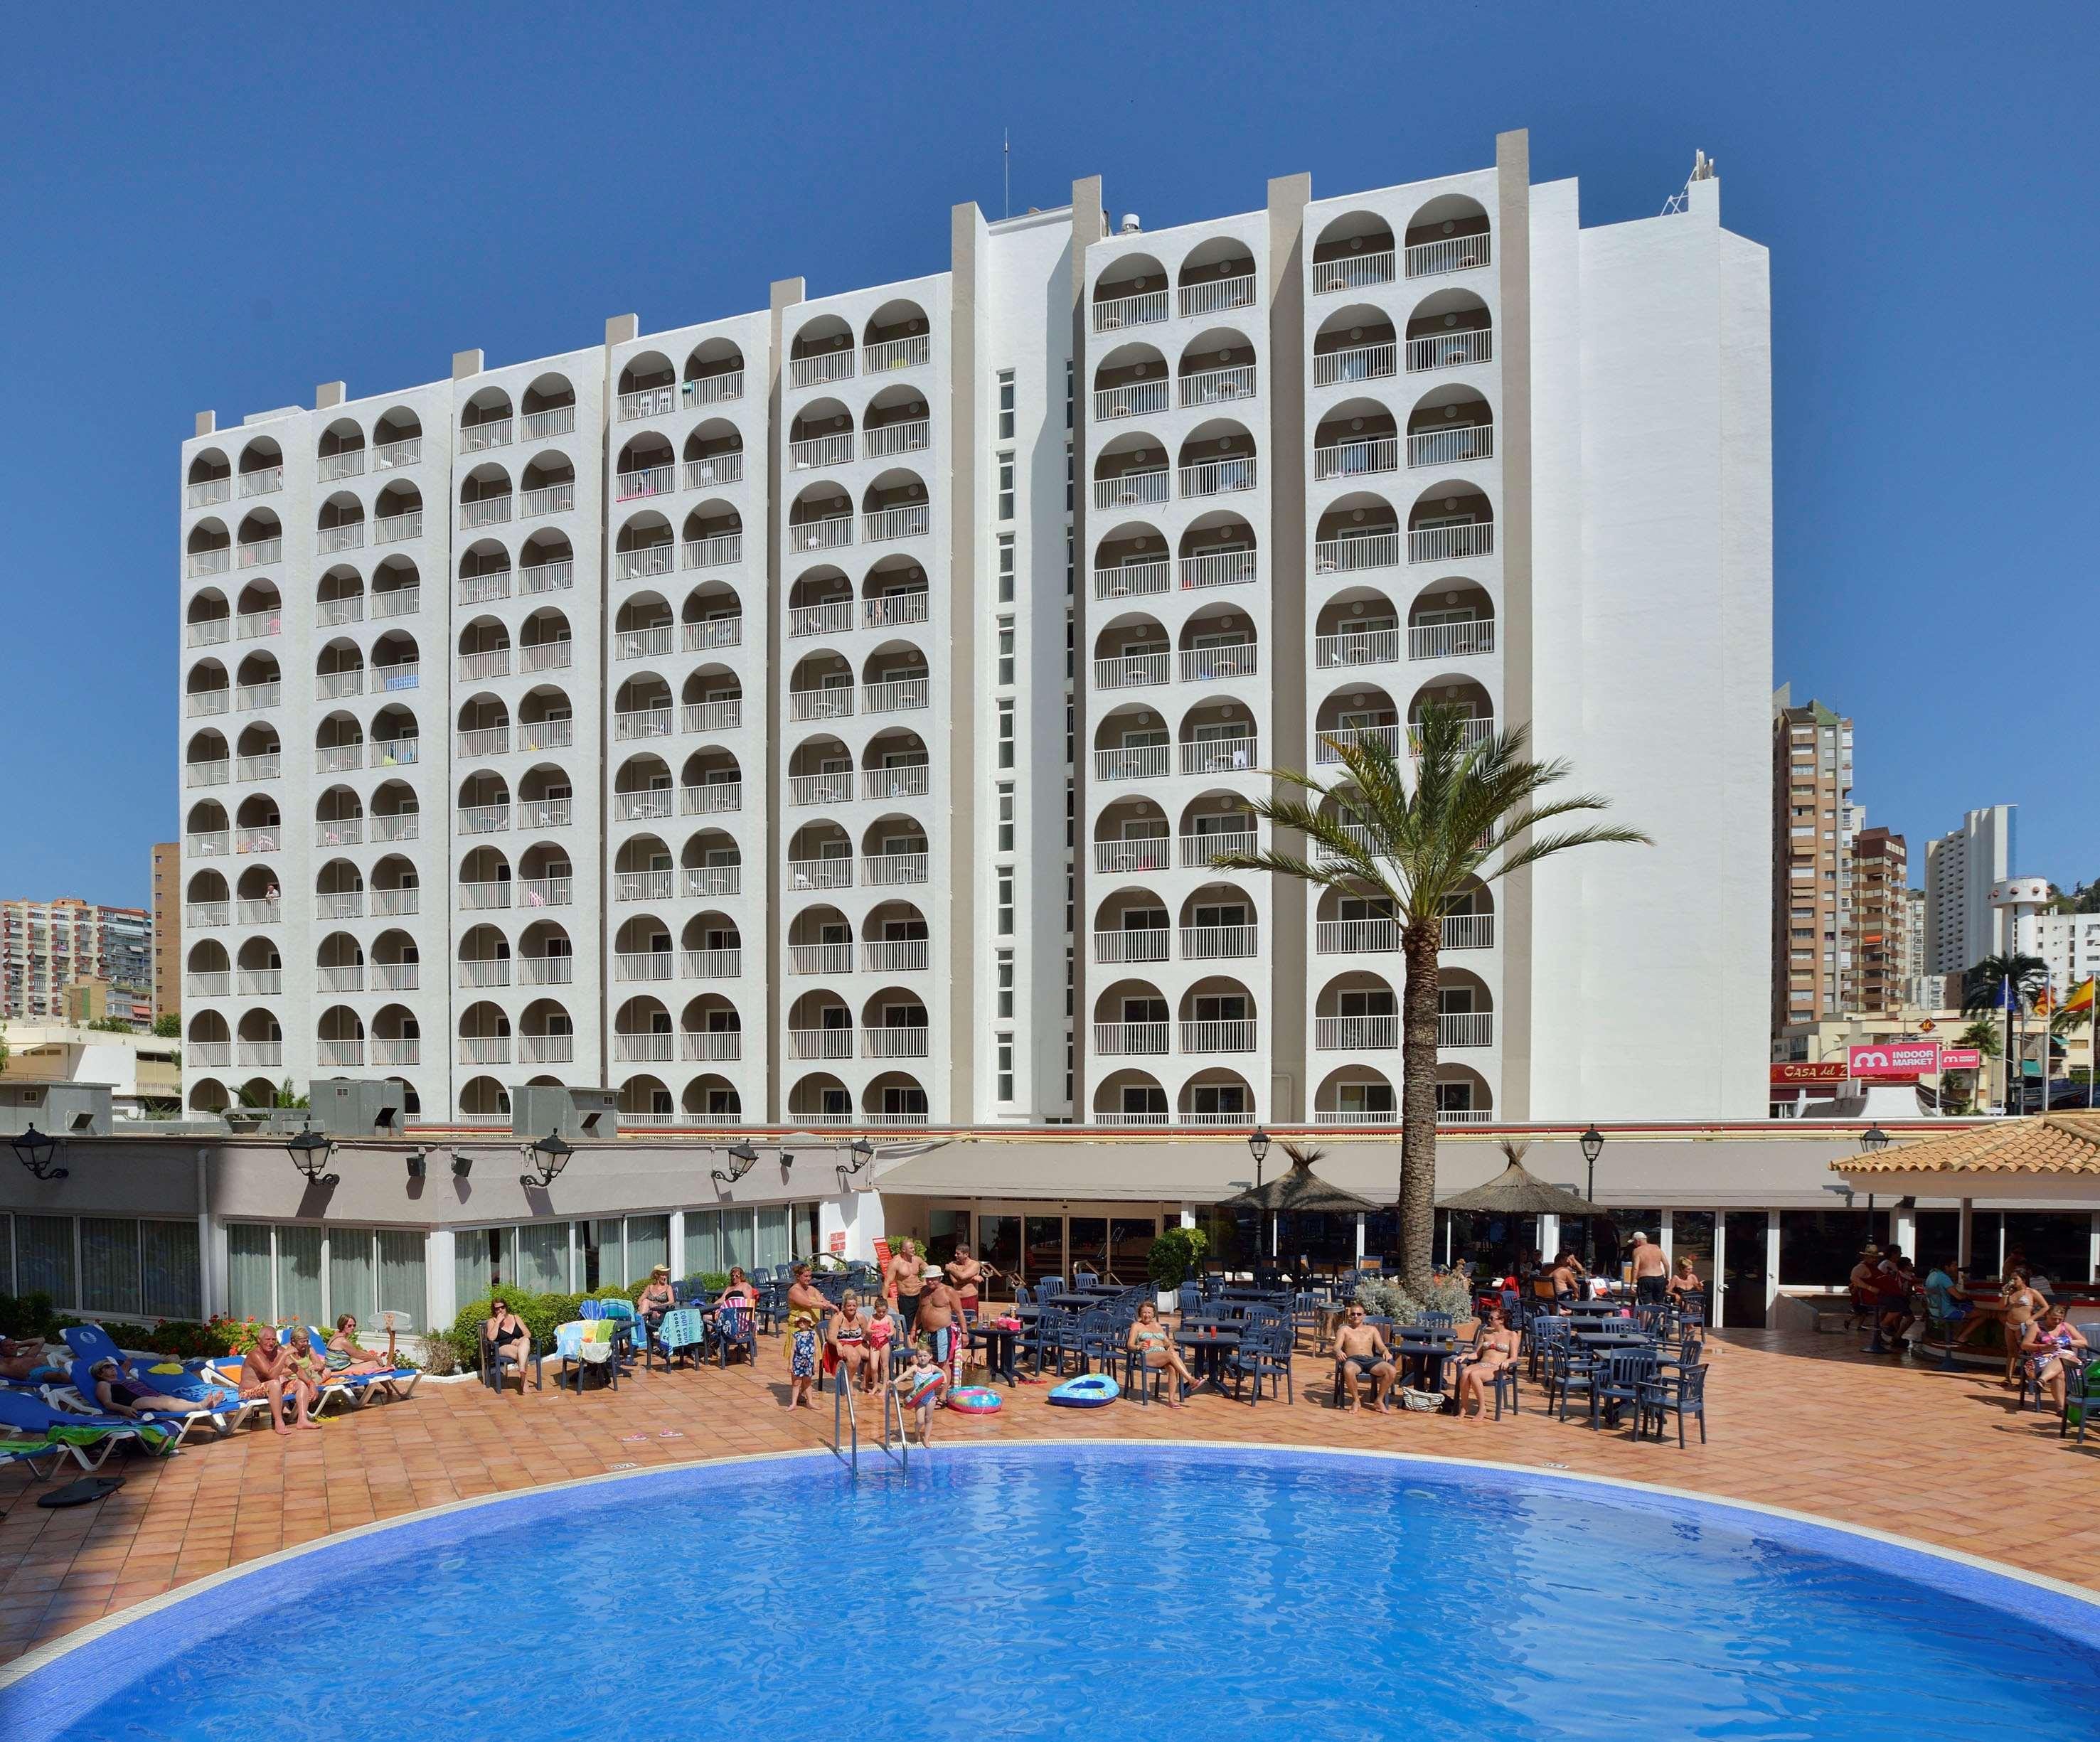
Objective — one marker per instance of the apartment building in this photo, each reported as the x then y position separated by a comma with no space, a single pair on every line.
1881,874
1961,868
1816,933
167,928
2069,943
45,946
826,714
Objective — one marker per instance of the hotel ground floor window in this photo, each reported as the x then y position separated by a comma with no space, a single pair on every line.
770,1235
124,1266
1742,1281
301,1272
999,1243
1818,1248
1692,1235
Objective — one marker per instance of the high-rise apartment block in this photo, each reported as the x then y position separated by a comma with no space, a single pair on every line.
1880,877
1961,868
1814,973
45,946
828,714
167,928
2069,943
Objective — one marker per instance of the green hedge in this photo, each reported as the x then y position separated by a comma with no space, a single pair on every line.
30,1316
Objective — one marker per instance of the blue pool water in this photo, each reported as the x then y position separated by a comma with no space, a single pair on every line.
1149,1593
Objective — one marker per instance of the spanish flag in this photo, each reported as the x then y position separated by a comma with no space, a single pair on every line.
2042,1001
2082,998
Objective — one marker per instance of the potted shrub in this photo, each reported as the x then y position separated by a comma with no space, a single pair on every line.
1175,1257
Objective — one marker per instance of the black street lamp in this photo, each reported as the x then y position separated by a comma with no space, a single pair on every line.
1258,1148
550,1155
1873,1140
1593,1146
862,1153
34,1151
310,1151
742,1159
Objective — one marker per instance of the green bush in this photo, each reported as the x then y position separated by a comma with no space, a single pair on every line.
27,1316
1176,1256
1384,1296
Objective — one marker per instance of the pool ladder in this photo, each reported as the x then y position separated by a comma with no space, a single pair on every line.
845,1425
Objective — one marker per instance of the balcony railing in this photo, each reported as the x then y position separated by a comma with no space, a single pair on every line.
1355,937
1451,641
213,1054
826,366
1131,670
207,914
396,825
486,511
643,885
328,685
912,435
1466,1028
493,662
1332,740
804,875
640,564
402,602
897,955
201,702
1334,368
1365,550
835,532
1218,943
261,1051
643,964
485,971
396,976
332,612
834,449
835,787
1220,756
1133,490
715,552
714,965
1131,1039
820,959
1445,350
1468,931
484,819
1375,1034
906,353
208,843
1133,398
254,624
882,525
212,774
1148,853
899,780
906,1042
340,904
1133,762
1443,544
267,765
1357,459
484,1049
546,970
820,1042
1127,581
716,1045
1352,272
1452,445
1138,310
258,911
711,797
648,804
883,869
207,491
551,499
712,716
402,898
339,831
1217,477
897,694
826,702
1141,944
477,438
545,656
835,618
209,631
547,577
1448,253
392,529
1217,386
710,469
648,480
261,982
546,891
1230,1034
478,589
546,1049
642,644
1218,568
712,390
261,550
713,632
1360,647
250,696
390,456
643,722
544,813
648,402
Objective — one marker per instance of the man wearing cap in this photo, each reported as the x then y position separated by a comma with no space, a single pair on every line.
1651,1274
1866,1284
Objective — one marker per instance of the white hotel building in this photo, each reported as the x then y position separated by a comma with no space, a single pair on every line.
825,715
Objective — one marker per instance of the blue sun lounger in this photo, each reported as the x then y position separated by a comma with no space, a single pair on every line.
90,1344
80,1433
217,1422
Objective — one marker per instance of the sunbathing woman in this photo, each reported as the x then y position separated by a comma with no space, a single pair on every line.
1496,1350
115,1393
1149,1341
345,1359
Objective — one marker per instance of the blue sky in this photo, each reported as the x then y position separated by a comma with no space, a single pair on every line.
220,210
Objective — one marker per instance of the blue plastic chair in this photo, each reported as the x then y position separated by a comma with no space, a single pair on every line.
1678,1394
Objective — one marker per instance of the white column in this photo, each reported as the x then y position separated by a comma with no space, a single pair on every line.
676,1258
1902,1228
1771,1262
1359,1236
1666,1235
1714,1291
1189,1220
440,1273
2093,1248
211,1285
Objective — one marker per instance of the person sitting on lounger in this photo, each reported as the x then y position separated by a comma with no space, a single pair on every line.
847,1344
25,1359
1496,1350
268,1370
117,1393
345,1359
508,1339
2046,1344
1148,1342
1359,1349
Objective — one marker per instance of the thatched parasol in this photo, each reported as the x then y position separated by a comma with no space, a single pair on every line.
1300,1191
1517,1191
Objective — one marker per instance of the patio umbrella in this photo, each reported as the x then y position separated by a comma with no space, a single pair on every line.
1300,1191
1517,1191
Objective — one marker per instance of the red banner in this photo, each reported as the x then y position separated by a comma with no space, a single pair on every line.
839,1243
1961,1058
1902,1060
1834,1071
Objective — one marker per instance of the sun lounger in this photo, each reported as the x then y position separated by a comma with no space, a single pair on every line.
91,1343
216,1422
80,1434
392,1382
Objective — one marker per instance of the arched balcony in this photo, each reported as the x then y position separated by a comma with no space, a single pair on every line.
1132,742
1453,619
1357,532
712,617
1130,1020
1353,252
895,678
642,791
484,650
546,797
258,682
1131,381
648,387
1129,1096
396,1037
397,440
544,641
821,687
339,1038
894,593
208,1095
894,506
711,1101
819,857
644,548
820,1026
258,828
714,373
713,456
1471,701
1217,550
1218,737
482,1100
819,1099
820,941
1449,329
205,899
895,765
820,772
1351,716
395,812
208,620
895,1098
484,803
646,466
484,1038
710,782
895,337
484,726
1448,233
1216,645
259,753
549,407
1216,367
1132,651
894,853
206,761
397,513
642,708
713,537
1131,292
1216,458
711,1030
1451,523
209,479
257,900
546,563
895,422
397,589
486,422
258,1040
1217,1015
338,818
546,878
1355,1094
339,891
1450,426
1131,474
1354,344
642,951
209,973
710,865
1464,1096
822,351
1215,277
339,597
1218,923
1132,836
396,663
209,1044
260,611
711,947
1218,1096
642,871
209,548
396,887
395,964
547,486
1357,626
894,1025
710,700
1357,1013
820,518
206,689
485,497
546,956
1357,439
894,939
262,467
821,435
820,602
1132,926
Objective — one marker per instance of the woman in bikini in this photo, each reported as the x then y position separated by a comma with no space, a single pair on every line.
734,1311
1149,1341
848,1345
1496,1350
345,1359
2022,1304
656,1299
2048,1344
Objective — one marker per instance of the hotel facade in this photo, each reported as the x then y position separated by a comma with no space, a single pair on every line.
826,715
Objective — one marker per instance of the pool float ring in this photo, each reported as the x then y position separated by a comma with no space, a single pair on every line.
975,1400
1088,1391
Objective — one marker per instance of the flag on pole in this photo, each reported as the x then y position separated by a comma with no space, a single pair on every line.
2041,1003
2082,997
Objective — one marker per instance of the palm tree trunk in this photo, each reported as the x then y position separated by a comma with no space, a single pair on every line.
1417,1107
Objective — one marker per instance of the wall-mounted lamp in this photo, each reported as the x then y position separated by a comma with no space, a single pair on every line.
34,1151
550,1155
462,1165
742,1159
419,1165
862,1153
310,1151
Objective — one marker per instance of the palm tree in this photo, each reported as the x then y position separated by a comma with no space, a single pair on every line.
1416,854
1984,984
1982,1035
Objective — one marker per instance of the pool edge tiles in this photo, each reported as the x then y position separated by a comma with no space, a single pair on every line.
55,1687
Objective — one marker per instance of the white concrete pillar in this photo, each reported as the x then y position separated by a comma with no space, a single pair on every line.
1664,1233
1771,1262
1359,1236
1903,1229
440,1277
677,1259
1549,1236
1188,1217
1714,1291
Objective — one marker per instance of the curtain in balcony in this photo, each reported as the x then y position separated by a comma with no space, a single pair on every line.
247,1270
43,1258
171,1271
351,1277
703,1242
648,1244
109,1265
299,1300
402,1287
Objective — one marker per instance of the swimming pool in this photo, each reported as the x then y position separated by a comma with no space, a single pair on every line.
1149,1592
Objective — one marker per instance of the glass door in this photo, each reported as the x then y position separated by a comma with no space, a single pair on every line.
1743,1278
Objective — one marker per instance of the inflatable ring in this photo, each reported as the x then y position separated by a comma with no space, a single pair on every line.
975,1400
1088,1391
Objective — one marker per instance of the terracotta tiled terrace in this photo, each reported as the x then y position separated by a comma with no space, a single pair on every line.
1798,1420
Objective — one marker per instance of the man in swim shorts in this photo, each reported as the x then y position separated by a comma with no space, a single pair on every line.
939,1327
1360,1351
1651,1277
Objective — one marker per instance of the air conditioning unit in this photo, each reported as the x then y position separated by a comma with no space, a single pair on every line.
576,1115
57,1110
353,1106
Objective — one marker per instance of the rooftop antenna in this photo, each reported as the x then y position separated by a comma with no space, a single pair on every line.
1702,171
1006,151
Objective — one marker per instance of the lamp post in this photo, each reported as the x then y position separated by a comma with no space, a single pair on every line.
1593,1146
33,1149
1258,1148
742,1159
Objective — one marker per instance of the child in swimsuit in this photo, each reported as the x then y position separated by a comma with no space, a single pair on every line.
922,1384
